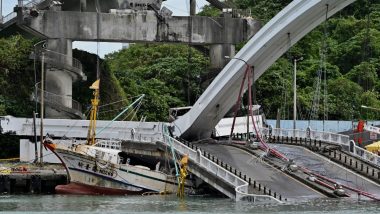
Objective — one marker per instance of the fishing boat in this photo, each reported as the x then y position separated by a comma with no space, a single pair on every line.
94,170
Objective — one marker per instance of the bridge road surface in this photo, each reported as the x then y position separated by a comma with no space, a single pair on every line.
260,171
325,167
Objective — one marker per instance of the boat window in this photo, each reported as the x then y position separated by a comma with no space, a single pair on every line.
123,158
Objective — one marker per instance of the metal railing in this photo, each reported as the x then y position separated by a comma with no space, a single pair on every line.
109,144
310,134
143,137
366,155
241,186
328,137
8,18
58,99
61,61
13,15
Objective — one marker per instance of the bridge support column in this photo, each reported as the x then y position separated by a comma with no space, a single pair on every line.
193,6
58,80
83,5
218,53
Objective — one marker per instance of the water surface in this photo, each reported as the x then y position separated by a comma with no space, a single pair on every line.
171,204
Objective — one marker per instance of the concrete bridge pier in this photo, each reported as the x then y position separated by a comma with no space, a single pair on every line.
218,53
83,5
58,82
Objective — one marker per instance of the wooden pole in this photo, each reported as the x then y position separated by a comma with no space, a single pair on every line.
35,137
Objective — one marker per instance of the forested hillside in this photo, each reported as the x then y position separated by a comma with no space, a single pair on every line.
347,47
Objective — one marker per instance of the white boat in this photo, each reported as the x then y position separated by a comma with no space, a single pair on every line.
98,170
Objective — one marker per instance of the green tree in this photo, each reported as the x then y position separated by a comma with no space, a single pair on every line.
16,76
364,74
344,99
210,11
16,86
163,72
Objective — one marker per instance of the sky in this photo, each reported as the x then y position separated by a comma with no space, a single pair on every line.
179,8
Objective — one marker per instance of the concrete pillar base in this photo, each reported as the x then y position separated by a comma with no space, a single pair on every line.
218,53
58,82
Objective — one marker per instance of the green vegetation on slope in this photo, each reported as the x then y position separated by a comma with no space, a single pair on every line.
162,72
110,90
16,85
16,77
352,64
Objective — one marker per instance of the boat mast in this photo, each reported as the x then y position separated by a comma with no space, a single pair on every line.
94,111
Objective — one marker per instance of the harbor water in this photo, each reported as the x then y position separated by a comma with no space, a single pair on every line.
171,204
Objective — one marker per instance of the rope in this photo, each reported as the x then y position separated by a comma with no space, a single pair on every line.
10,159
108,104
169,140
121,113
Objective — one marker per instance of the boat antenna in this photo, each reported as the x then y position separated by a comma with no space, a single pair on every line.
94,111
